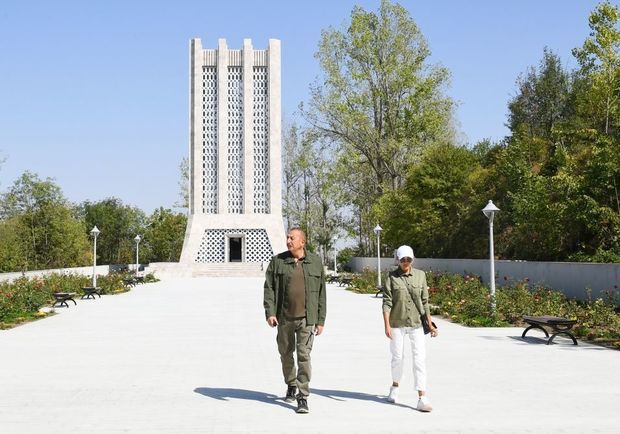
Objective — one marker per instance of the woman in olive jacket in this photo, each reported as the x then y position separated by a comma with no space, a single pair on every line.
405,298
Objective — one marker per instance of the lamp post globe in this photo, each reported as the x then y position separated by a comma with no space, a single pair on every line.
489,211
137,240
94,232
377,231
335,258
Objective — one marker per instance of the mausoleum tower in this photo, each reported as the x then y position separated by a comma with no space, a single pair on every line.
235,197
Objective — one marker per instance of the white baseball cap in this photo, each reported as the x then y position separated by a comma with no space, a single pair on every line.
404,252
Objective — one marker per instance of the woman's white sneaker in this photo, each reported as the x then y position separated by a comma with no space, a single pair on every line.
393,396
424,404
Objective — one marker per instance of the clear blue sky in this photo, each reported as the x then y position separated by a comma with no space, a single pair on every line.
95,93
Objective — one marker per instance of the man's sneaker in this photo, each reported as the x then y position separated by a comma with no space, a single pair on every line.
290,394
424,404
302,405
393,396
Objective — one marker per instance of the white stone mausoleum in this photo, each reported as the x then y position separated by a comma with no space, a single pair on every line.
235,198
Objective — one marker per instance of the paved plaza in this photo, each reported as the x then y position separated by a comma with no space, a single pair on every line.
196,356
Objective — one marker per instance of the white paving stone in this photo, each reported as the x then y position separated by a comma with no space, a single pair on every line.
196,356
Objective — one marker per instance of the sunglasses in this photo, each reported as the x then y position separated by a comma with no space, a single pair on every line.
406,260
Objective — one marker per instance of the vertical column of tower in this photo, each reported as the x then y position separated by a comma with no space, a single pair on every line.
195,188
222,125
248,117
275,127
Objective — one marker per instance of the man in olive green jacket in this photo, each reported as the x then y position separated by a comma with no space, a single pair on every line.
295,301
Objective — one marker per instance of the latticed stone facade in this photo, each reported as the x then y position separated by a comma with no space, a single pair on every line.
209,139
213,247
235,193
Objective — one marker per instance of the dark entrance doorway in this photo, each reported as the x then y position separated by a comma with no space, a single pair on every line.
234,249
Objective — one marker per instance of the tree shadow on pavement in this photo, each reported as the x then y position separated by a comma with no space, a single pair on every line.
226,394
343,395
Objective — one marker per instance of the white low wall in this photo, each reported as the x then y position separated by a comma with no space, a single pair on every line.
102,270
571,278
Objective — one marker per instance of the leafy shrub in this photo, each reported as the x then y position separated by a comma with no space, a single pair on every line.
21,299
464,299
112,283
600,256
345,255
364,283
57,282
150,278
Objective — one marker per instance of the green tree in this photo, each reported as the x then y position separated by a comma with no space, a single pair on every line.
537,231
542,99
12,254
328,198
599,58
119,224
183,184
596,167
163,236
380,102
432,212
557,174
296,152
312,196
28,193
39,228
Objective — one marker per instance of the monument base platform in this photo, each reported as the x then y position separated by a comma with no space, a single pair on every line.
230,238
166,270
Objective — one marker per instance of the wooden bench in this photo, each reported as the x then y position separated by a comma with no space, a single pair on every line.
345,281
333,278
90,291
130,282
62,297
133,281
558,326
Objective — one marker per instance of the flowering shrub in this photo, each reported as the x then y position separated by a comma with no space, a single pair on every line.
464,299
112,283
364,283
57,282
21,299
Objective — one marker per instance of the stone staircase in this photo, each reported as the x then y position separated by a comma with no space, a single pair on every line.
230,269
220,269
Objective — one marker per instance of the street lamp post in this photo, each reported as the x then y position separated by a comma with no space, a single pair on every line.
137,240
94,232
335,254
489,211
378,230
